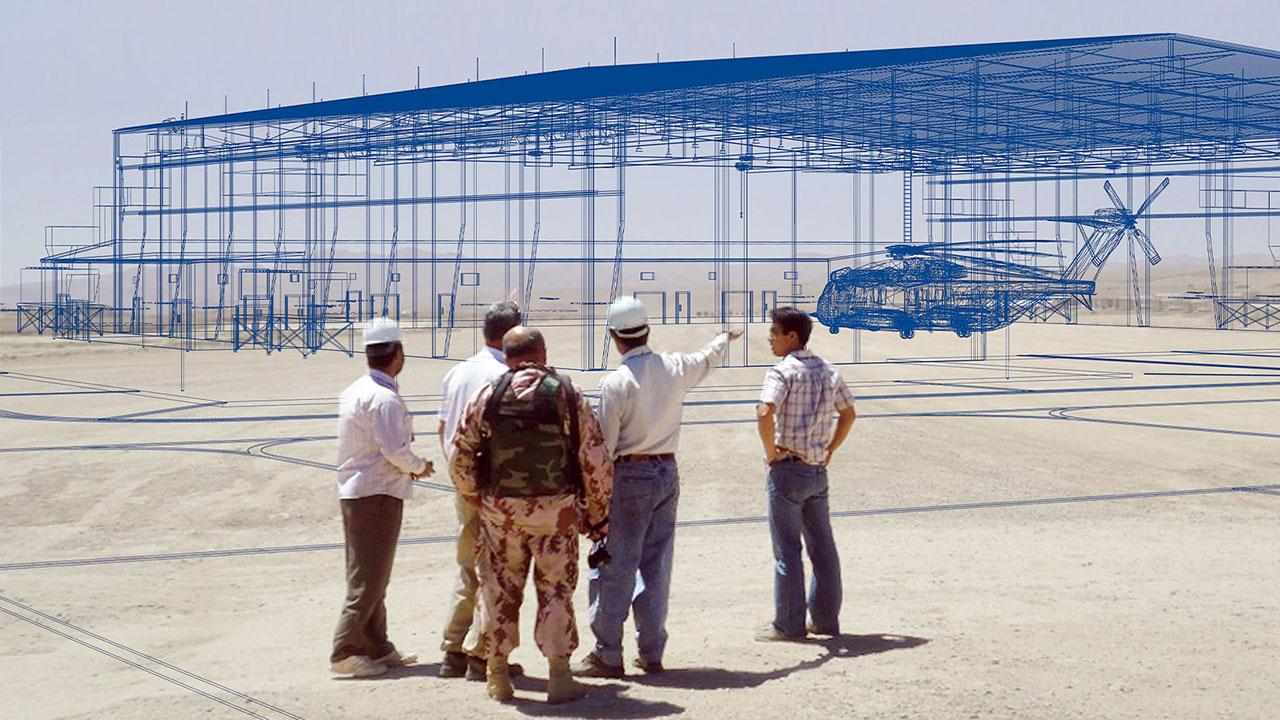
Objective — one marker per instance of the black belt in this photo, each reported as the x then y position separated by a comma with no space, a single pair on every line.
791,457
645,458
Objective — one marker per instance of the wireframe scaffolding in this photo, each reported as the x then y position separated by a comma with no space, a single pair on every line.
285,227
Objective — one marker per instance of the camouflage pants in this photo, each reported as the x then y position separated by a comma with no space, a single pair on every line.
505,555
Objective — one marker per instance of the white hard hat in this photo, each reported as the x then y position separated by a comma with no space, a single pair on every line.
381,330
628,318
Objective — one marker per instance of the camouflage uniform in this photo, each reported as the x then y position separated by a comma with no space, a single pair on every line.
530,528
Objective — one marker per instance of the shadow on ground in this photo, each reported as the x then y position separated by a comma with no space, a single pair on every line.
840,646
610,700
604,701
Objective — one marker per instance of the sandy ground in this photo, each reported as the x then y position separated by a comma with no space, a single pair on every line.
1085,535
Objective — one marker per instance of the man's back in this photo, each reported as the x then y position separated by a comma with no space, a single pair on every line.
375,432
547,513
461,383
642,402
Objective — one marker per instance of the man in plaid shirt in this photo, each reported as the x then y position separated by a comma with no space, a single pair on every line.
801,395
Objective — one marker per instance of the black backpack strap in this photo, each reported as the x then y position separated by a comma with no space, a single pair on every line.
500,387
488,418
575,436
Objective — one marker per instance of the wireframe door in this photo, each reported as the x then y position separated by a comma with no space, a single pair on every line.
444,310
684,307
768,301
385,305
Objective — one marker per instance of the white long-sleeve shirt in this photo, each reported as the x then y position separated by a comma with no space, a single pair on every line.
461,383
642,402
375,432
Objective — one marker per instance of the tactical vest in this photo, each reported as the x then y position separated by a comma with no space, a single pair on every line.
530,448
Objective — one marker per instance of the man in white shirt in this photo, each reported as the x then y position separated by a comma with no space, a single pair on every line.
641,406
463,651
376,468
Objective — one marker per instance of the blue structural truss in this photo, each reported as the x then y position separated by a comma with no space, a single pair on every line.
287,226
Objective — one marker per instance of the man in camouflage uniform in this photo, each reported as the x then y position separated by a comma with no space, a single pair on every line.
535,465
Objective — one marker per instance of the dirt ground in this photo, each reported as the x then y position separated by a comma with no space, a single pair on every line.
1086,529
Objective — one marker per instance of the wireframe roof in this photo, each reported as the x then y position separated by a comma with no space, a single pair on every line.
1047,103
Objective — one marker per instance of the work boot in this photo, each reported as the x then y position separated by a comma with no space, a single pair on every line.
456,664
498,680
478,668
561,687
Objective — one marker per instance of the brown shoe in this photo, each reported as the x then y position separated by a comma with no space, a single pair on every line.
650,667
815,630
771,633
593,666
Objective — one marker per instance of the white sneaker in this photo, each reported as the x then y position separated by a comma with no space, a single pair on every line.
395,659
357,666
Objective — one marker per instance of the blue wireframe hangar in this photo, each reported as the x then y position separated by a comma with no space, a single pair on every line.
283,227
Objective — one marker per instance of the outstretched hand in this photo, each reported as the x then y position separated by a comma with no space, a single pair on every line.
426,472
733,334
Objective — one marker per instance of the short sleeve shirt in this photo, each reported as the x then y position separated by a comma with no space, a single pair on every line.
805,392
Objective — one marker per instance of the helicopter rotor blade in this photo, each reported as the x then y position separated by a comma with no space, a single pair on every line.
957,251
1086,246
975,243
1148,247
1006,267
1115,197
1089,220
1152,198
964,254
993,243
1103,251
1086,237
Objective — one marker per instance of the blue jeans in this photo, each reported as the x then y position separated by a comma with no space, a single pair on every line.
642,528
798,508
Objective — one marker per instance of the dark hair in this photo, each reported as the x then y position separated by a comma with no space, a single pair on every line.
380,355
522,344
501,317
632,342
789,319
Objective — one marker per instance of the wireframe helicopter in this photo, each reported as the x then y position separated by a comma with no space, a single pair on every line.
976,286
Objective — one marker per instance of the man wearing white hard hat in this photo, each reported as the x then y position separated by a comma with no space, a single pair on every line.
376,469
641,405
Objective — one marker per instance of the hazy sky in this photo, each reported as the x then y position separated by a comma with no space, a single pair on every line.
71,72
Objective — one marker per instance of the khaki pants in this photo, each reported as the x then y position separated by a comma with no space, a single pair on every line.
372,527
461,634
506,554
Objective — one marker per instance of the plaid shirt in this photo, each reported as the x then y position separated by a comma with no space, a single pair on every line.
805,392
